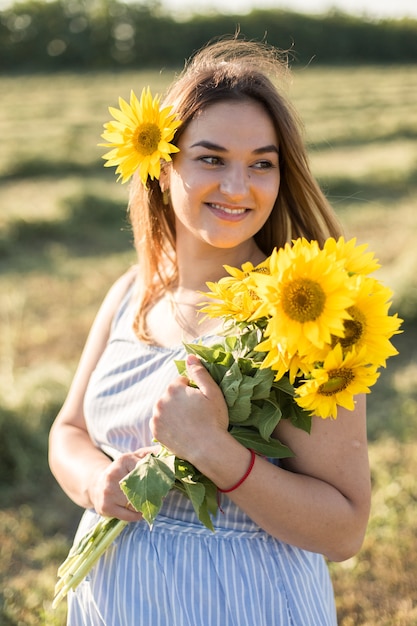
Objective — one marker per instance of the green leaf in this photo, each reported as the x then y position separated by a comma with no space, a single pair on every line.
209,507
197,494
231,343
300,418
181,367
252,339
251,387
211,354
283,384
292,411
242,408
251,439
264,379
198,488
211,500
230,384
216,371
147,485
247,366
265,416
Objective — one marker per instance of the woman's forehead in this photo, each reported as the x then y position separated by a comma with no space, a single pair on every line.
230,119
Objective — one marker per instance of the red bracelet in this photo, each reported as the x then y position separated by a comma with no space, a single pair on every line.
245,475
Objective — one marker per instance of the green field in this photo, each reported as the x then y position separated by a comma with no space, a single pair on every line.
64,239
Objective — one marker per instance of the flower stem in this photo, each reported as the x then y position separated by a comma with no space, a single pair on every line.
84,556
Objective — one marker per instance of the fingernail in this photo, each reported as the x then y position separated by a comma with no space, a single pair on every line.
192,359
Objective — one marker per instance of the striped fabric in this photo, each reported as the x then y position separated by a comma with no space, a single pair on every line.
179,573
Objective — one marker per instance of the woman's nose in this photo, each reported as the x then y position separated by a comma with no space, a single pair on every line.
235,181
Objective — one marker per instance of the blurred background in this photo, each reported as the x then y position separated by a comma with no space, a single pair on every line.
64,238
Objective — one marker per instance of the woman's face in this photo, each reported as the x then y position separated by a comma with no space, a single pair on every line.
224,181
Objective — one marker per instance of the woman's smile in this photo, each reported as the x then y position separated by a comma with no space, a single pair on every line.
225,212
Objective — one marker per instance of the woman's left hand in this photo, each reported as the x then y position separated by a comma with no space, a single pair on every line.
185,416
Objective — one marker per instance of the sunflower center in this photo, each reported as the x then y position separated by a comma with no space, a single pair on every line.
253,295
148,136
354,328
303,300
260,270
339,379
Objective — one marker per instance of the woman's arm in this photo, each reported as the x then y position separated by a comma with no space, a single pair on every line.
84,472
318,501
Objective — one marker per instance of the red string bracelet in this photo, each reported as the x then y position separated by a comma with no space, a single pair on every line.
245,475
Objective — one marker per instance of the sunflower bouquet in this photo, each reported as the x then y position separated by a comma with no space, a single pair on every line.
304,332
323,319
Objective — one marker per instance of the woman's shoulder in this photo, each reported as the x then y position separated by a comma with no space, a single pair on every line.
115,297
126,280
122,286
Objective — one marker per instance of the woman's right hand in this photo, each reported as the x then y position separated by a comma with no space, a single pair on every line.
105,493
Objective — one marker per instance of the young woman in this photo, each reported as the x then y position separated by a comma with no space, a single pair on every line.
238,186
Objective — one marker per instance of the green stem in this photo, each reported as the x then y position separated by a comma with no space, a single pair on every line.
74,575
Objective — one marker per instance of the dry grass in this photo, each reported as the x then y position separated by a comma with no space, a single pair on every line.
56,265
378,586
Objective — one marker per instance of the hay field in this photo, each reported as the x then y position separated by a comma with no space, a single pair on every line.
64,239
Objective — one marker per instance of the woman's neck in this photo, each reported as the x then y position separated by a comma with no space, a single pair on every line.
175,316
195,268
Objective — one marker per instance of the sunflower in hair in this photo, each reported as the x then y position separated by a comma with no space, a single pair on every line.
140,137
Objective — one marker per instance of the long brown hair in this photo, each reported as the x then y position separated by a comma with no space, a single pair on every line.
231,69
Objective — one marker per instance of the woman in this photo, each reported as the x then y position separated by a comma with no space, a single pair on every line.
238,186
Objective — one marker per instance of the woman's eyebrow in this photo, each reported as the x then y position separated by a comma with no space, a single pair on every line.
208,145
270,148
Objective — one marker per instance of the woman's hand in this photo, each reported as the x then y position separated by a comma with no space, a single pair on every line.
186,417
105,493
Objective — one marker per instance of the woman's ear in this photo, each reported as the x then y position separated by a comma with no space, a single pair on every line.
164,184
163,178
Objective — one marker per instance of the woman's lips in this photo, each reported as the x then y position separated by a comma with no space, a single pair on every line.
226,212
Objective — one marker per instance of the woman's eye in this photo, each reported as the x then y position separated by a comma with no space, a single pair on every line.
211,160
263,165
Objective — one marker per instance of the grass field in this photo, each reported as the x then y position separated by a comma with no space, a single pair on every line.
64,239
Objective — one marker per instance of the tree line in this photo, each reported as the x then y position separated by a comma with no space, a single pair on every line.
105,34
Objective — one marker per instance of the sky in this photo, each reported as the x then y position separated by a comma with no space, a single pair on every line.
369,8
375,9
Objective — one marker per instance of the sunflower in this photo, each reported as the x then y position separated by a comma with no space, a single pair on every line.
277,359
282,363
370,326
305,297
235,295
355,259
336,383
247,269
233,300
139,137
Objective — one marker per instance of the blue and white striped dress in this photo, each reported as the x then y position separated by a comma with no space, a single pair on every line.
179,573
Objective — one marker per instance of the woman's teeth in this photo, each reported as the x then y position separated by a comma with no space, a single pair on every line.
227,210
